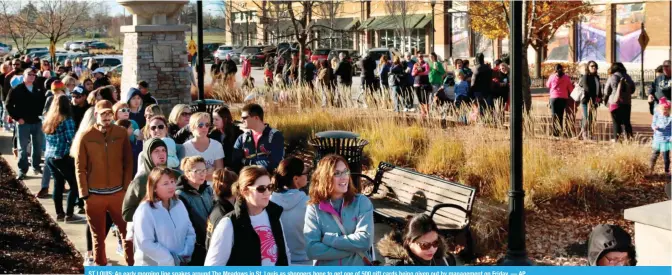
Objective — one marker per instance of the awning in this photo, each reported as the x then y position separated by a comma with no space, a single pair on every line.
423,23
339,24
397,22
352,24
366,23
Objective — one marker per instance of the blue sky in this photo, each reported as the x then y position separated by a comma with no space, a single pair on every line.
208,6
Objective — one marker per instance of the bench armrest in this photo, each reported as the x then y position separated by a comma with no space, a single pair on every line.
367,178
449,205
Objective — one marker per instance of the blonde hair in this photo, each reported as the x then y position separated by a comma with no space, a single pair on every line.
177,112
189,162
70,80
91,98
195,118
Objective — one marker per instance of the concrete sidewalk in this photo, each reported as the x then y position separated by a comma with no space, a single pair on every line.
76,232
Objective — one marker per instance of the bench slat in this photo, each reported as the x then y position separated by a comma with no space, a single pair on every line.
432,199
444,196
437,184
394,209
448,192
404,199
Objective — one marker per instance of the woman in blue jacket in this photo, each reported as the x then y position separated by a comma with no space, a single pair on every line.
334,200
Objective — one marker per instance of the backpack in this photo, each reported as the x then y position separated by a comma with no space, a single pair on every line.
622,92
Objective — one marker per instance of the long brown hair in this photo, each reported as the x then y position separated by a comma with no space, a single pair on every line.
154,177
247,177
229,127
58,112
223,180
323,181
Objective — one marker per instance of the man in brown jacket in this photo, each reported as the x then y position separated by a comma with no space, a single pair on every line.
104,165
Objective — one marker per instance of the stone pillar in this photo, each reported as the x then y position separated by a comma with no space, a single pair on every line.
653,235
155,51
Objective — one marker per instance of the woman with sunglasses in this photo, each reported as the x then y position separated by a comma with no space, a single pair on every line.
203,146
418,245
197,196
45,66
252,234
225,132
290,177
335,203
592,94
178,122
157,128
122,111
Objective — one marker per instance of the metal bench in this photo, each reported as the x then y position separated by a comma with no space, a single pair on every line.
399,192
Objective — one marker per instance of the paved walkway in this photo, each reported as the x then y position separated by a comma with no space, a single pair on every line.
76,232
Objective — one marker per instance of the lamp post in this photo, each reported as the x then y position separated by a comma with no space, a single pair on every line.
200,69
433,3
516,254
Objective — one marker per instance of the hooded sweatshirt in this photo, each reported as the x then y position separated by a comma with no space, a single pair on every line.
161,235
390,247
199,204
136,115
481,80
294,203
607,238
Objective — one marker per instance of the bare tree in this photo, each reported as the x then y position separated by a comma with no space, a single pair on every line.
329,10
401,12
12,14
57,18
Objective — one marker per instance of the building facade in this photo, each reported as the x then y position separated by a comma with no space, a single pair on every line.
609,35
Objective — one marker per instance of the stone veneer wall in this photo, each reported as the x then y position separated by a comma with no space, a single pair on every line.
160,58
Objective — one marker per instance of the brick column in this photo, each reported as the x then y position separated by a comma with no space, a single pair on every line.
611,21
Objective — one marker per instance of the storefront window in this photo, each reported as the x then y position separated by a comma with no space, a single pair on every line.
346,42
460,35
591,41
558,47
629,19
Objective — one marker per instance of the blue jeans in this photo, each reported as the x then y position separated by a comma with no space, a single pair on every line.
395,93
46,177
587,120
29,134
64,170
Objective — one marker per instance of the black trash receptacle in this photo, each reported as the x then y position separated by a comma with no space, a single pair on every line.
343,143
210,105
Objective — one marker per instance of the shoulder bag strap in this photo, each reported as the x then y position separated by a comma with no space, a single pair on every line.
340,225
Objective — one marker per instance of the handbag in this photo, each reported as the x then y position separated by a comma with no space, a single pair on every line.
578,93
361,254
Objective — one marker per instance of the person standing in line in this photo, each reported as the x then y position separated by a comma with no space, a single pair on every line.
592,96
560,86
343,72
222,184
384,66
662,130
4,70
163,233
396,78
325,78
135,105
436,75
59,129
661,87
104,166
229,70
252,234
260,144
178,123
290,177
201,145
421,84
481,84
25,104
147,98
225,132
420,244
309,73
367,77
100,79
197,196
335,200
620,101
79,105
408,87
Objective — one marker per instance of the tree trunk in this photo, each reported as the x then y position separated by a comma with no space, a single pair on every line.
537,62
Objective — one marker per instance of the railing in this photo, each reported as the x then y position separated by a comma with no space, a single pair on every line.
649,77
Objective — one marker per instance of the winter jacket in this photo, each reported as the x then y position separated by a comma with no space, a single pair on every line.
592,89
481,80
662,128
199,204
246,69
227,141
606,238
368,66
500,85
384,72
268,153
219,209
180,136
409,77
391,247
309,71
343,73
324,240
162,236
229,67
559,86
436,73
24,104
420,74
236,243
136,115
611,86
661,87
138,188
397,76
78,113
104,162
148,99
293,203
2,88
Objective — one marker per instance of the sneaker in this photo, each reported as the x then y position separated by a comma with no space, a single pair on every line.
60,217
43,193
74,219
88,261
411,110
21,176
81,211
120,249
405,110
37,171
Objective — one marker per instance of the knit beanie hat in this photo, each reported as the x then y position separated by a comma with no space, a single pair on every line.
57,85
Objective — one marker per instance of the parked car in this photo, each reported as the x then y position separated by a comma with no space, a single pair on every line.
222,51
116,70
320,54
376,53
255,54
99,46
5,49
105,61
209,49
37,54
351,56
29,51
77,46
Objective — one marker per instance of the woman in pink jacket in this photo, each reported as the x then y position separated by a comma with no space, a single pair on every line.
560,86
246,68
421,84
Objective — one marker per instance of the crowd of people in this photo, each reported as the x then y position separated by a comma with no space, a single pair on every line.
198,189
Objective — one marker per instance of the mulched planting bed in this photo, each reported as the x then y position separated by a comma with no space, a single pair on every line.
30,241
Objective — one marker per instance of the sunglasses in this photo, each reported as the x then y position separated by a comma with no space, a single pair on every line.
125,110
204,125
427,246
186,114
32,75
262,188
199,171
154,127
342,174
17,64
76,96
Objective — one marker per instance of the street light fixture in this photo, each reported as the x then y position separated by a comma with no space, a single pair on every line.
433,3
